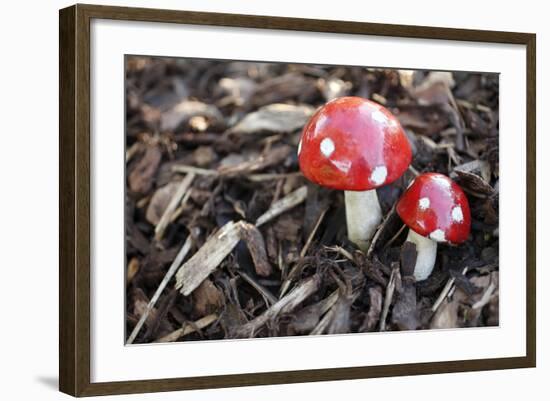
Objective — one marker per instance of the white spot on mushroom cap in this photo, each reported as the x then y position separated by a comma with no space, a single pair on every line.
378,175
299,147
327,147
438,235
443,181
424,203
379,116
457,215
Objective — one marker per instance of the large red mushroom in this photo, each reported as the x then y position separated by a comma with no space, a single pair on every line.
436,210
355,145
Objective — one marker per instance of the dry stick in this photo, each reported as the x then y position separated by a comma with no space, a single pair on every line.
282,205
388,300
451,292
379,231
328,302
341,251
188,329
177,213
272,176
268,297
395,236
174,202
180,168
323,323
486,297
286,284
329,311
445,291
193,272
312,233
286,304
167,277
414,171
133,150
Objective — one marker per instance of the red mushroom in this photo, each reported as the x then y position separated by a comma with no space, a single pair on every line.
436,210
355,145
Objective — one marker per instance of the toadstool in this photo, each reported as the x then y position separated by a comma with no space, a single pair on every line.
436,210
355,145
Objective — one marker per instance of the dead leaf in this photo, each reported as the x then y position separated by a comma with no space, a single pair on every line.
307,318
408,259
375,308
283,87
132,270
446,316
478,167
140,306
405,314
207,298
203,156
279,118
160,201
186,109
406,78
273,157
474,183
341,321
256,245
238,90
141,177
333,87
287,228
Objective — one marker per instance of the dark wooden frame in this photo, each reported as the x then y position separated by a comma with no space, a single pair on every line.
74,203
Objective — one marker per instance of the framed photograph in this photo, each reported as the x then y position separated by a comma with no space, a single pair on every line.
250,200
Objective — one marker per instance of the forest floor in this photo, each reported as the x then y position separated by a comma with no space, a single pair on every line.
213,184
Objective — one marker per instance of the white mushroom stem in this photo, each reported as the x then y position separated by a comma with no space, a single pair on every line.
363,215
426,251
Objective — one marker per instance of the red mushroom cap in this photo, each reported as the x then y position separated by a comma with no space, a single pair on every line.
434,206
353,144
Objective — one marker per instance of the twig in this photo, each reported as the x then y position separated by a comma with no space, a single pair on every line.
379,231
188,328
282,205
286,284
286,304
414,171
167,277
177,213
486,297
312,234
323,323
395,236
174,202
268,297
183,168
133,150
272,176
328,310
388,299
341,251
445,291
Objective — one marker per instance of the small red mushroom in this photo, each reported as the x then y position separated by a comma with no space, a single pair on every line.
355,145
436,210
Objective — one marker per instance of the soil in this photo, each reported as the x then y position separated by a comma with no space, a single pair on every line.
214,142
